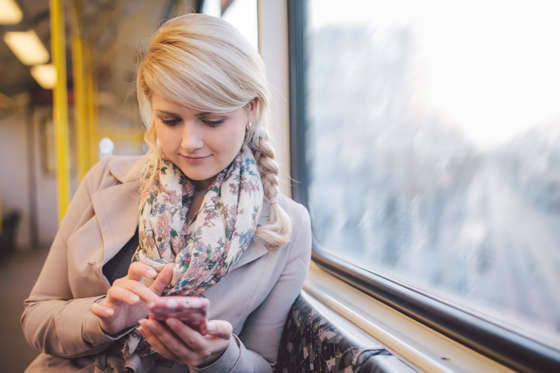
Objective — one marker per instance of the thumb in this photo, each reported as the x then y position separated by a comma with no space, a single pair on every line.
162,279
220,329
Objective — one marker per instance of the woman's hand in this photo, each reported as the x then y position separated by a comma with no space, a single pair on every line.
128,298
177,341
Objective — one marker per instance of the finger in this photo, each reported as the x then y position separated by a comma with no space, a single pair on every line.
190,337
119,294
138,288
167,340
138,270
163,279
156,344
220,329
101,311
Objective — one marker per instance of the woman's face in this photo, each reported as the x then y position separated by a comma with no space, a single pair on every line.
201,144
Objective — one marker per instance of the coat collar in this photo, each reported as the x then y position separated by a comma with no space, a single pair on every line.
257,248
116,209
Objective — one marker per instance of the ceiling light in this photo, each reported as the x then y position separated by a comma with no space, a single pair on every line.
10,14
27,46
45,75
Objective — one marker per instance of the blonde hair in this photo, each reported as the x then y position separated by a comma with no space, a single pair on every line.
204,63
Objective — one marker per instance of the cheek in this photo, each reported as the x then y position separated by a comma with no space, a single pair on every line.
230,140
239,137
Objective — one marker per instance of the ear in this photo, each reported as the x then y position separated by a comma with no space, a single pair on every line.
252,109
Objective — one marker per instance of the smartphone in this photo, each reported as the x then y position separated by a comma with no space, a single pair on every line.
190,310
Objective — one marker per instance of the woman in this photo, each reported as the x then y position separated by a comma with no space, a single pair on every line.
200,214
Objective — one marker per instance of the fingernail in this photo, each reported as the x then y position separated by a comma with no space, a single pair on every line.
134,298
152,273
110,311
211,328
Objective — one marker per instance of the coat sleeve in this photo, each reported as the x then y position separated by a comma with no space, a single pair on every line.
53,321
256,348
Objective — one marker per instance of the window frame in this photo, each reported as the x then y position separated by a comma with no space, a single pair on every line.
498,343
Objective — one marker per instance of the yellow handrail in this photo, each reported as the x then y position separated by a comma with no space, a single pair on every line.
58,44
82,142
91,111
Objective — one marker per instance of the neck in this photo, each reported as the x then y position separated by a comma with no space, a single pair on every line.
202,185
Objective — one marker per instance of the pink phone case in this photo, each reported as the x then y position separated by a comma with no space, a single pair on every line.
191,310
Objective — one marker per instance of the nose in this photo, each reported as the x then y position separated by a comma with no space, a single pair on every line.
192,138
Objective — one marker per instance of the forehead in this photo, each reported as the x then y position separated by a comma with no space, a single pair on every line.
162,105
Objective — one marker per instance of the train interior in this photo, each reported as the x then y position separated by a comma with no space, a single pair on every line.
435,240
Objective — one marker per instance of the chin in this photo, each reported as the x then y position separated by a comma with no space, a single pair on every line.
199,176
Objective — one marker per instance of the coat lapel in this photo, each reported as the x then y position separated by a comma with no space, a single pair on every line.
257,248
254,252
116,209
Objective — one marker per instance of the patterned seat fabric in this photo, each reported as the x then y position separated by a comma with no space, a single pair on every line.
310,343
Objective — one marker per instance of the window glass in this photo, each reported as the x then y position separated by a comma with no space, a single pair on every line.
240,13
433,149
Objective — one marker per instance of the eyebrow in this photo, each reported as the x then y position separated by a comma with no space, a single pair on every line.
202,114
166,112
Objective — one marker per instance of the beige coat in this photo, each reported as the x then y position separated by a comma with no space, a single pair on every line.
254,296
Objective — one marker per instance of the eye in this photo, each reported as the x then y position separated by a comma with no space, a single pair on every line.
213,123
171,122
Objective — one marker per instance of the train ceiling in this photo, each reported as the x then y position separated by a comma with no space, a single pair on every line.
116,32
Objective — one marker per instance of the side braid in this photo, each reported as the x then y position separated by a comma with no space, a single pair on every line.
278,232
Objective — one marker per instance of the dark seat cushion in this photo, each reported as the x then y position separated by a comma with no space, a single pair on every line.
310,343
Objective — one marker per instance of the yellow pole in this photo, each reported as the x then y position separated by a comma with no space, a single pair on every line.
82,143
58,44
91,112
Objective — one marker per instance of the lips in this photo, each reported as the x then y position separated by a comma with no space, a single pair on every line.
195,157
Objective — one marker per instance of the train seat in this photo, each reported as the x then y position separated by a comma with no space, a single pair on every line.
311,343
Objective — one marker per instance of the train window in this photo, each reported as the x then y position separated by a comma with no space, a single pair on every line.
431,150
240,13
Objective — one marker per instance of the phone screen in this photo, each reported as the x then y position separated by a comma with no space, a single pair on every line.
190,310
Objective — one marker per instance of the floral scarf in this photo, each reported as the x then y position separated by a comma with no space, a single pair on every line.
204,249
